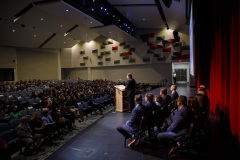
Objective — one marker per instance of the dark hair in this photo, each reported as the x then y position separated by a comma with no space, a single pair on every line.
149,97
138,98
164,91
45,113
158,98
182,99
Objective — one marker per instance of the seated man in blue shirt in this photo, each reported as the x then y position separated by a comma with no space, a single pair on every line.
128,129
181,120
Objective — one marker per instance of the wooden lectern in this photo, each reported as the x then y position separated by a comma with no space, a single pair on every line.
121,99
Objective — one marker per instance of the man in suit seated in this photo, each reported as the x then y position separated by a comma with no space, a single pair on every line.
178,128
26,134
128,129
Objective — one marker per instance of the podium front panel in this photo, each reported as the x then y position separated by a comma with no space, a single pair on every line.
122,104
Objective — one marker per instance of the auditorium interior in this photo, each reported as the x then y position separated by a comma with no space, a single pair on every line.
83,50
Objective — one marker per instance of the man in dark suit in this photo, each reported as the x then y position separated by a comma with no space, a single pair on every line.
130,88
128,129
166,100
174,96
181,120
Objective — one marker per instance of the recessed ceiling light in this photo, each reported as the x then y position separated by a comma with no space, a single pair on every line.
61,26
13,30
41,19
144,19
34,35
66,10
90,22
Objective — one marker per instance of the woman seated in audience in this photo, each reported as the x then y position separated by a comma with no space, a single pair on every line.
38,126
70,104
67,114
14,113
61,122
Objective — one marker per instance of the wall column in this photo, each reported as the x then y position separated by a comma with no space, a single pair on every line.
89,73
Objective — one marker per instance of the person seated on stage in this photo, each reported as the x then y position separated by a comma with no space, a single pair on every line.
150,104
166,100
159,116
128,129
178,128
158,101
174,94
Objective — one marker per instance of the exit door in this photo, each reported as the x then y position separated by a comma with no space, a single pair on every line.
181,75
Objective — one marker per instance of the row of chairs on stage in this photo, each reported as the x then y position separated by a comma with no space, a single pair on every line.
147,133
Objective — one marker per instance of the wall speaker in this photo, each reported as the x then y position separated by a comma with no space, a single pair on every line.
167,3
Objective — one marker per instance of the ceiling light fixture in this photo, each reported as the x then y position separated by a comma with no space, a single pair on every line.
16,19
65,34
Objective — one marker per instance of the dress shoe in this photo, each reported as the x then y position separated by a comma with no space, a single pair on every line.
133,141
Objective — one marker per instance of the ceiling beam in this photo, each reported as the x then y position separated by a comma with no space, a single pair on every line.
159,6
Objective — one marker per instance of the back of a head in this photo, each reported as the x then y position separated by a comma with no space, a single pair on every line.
45,113
192,102
35,115
183,99
138,99
149,97
24,119
163,91
158,98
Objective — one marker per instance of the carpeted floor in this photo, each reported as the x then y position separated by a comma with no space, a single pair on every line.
57,143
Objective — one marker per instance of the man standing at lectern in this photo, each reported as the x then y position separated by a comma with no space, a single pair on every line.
130,88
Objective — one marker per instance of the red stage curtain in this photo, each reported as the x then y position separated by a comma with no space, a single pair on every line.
218,46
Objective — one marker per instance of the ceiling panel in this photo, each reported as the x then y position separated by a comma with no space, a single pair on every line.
143,16
114,33
73,14
16,36
8,8
31,31
36,18
60,42
83,34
